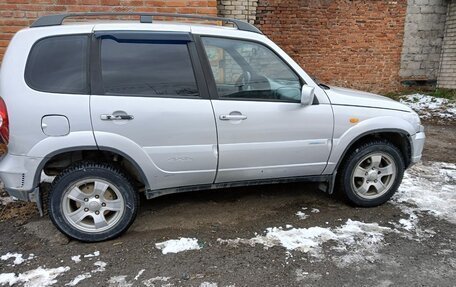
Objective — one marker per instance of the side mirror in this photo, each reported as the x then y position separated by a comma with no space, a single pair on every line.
307,95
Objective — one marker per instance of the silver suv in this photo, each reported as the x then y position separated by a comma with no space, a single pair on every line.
111,110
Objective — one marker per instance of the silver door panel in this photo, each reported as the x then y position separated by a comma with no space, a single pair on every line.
178,135
277,139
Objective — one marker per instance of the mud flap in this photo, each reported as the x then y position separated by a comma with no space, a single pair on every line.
328,186
35,196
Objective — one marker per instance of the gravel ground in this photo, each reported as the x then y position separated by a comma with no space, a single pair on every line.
278,235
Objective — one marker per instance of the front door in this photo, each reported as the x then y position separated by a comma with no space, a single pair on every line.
263,130
149,101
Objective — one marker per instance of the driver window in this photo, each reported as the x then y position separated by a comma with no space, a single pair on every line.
250,71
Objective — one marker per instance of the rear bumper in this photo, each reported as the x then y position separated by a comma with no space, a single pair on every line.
417,146
18,175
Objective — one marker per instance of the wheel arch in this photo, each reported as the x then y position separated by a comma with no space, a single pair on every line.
399,137
135,171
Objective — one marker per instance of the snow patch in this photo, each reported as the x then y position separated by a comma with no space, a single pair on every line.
354,241
208,284
119,281
302,215
150,282
430,107
95,254
100,268
78,279
178,245
39,277
315,210
18,259
6,200
407,224
76,258
429,188
139,274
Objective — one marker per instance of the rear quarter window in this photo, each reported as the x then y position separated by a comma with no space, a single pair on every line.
59,65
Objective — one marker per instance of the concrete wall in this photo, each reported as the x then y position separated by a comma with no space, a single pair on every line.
423,38
447,75
238,9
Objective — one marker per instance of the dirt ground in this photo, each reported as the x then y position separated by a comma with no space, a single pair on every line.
404,259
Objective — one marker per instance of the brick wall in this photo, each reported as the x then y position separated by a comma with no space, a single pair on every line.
354,43
17,14
447,75
423,37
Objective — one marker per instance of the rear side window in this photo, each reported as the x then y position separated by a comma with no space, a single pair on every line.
147,69
59,65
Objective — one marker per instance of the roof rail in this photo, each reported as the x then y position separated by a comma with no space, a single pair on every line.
57,19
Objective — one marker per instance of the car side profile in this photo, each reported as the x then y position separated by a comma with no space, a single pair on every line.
115,109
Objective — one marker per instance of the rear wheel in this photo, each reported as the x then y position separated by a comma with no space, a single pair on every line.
372,173
92,202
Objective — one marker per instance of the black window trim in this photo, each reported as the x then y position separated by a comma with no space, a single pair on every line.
130,37
212,86
87,90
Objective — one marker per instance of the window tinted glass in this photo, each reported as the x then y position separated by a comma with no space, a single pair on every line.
59,65
149,69
247,70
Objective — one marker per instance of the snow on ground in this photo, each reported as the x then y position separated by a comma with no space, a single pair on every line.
123,281
429,188
78,279
101,267
178,245
18,259
95,254
302,215
119,281
430,107
139,274
39,277
151,282
426,189
354,241
6,200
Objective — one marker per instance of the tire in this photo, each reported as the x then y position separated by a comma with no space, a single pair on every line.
371,174
92,202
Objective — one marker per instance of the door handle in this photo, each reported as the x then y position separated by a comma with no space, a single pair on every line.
116,117
232,117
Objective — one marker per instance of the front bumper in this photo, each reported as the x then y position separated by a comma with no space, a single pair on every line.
417,146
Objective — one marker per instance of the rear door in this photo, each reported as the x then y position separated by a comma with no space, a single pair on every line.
148,93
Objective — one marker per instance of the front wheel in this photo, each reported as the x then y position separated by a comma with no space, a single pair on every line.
371,174
92,202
